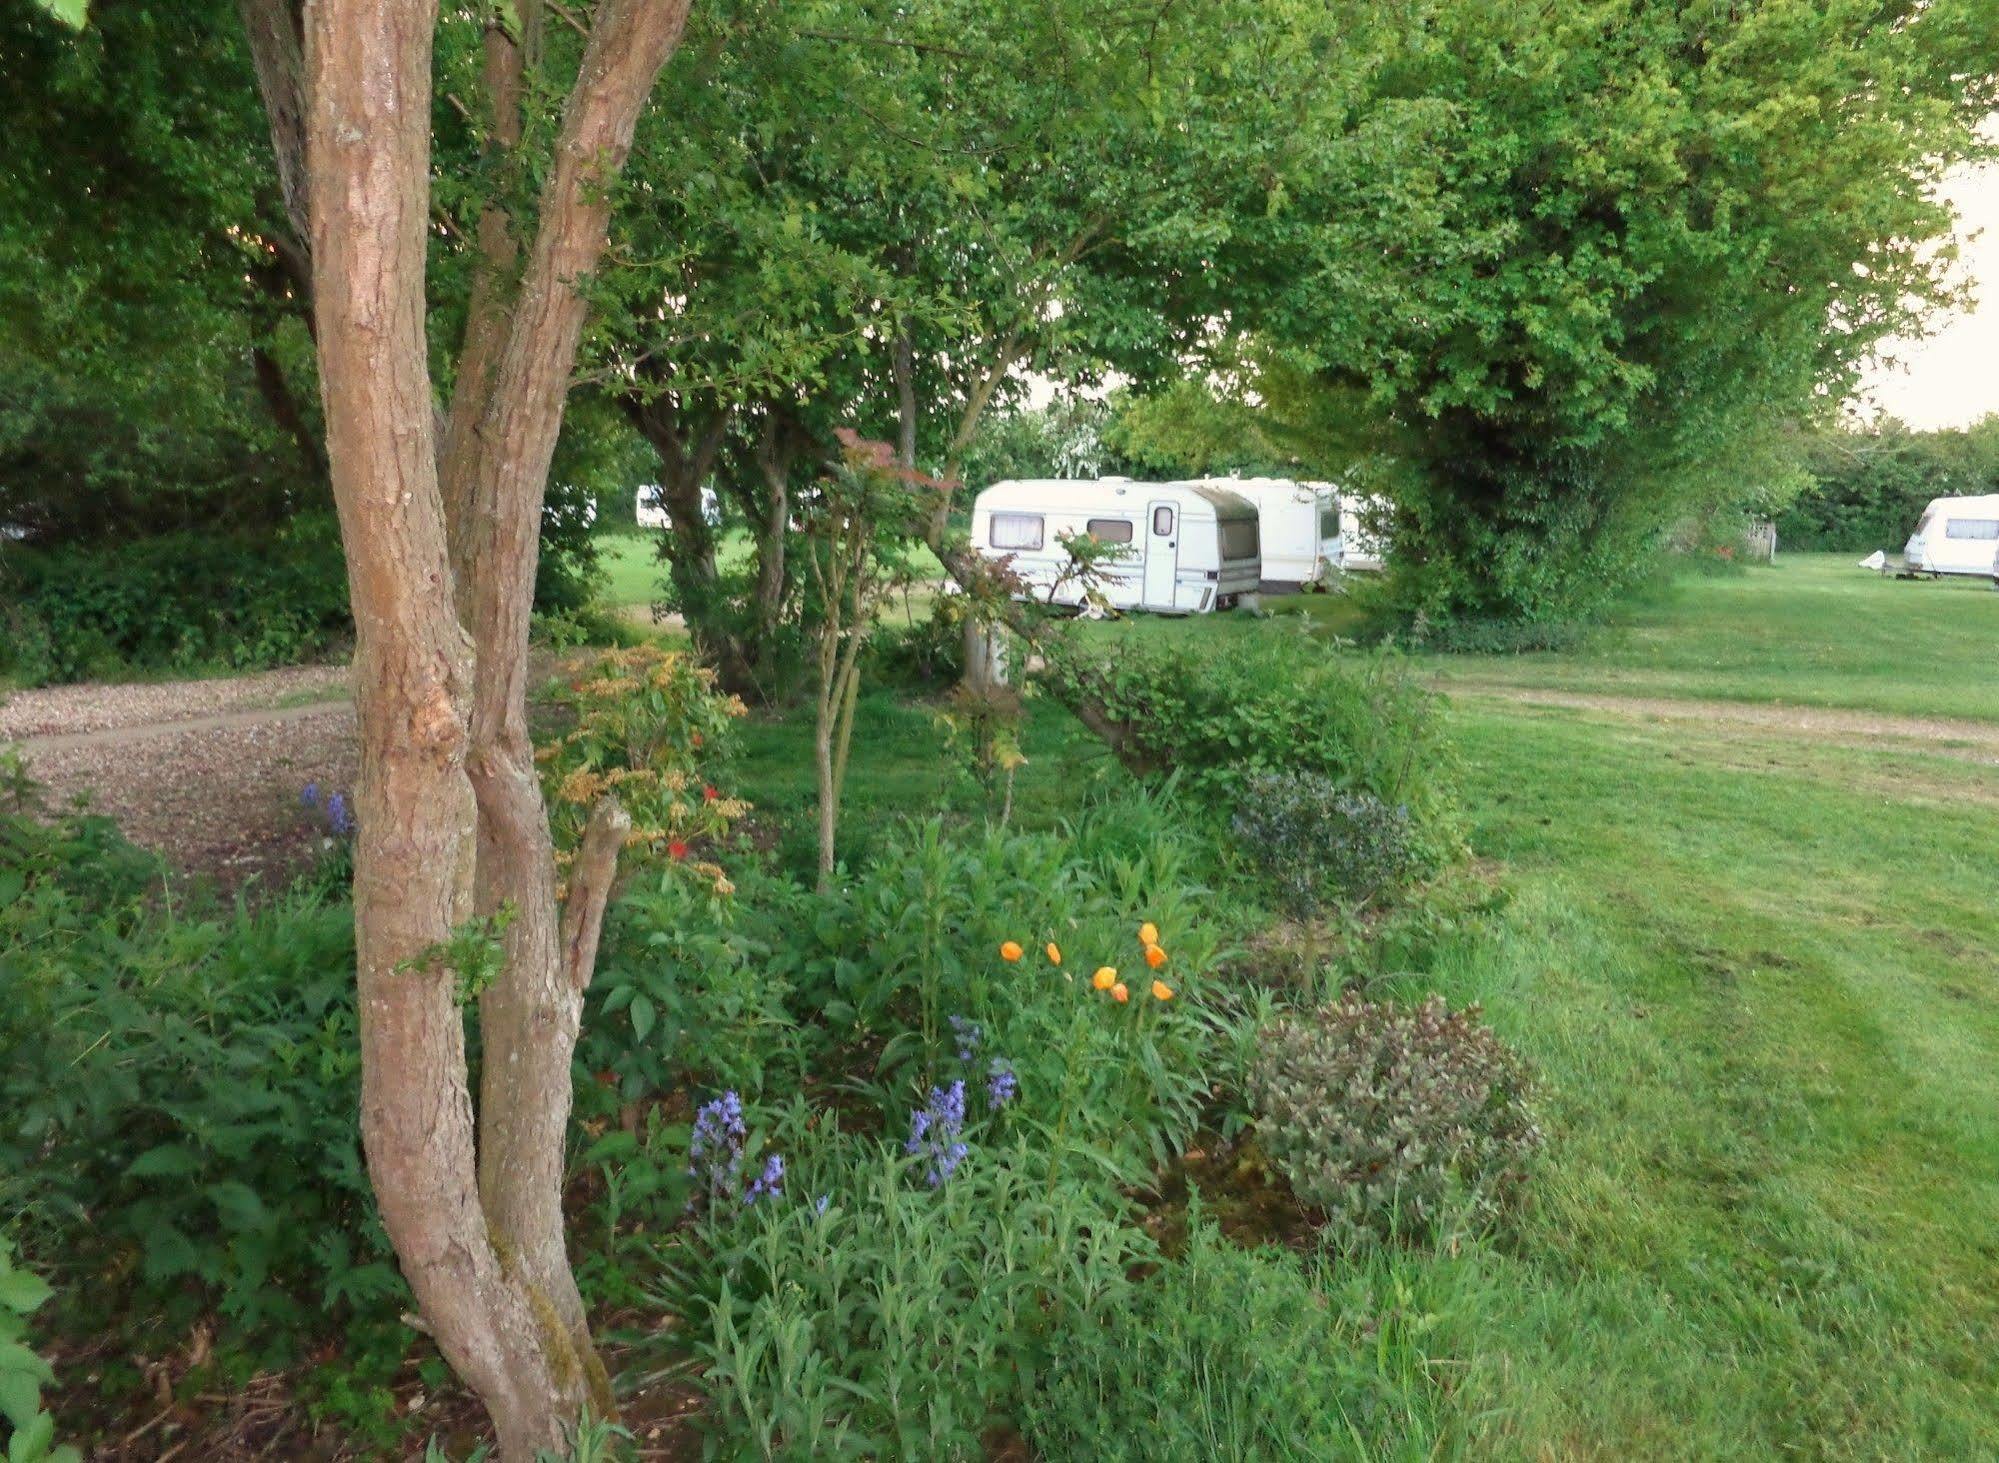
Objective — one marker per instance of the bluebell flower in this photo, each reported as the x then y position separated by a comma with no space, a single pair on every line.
715,1152
337,817
934,1133
309,795
819,1205
969,1037
770,1183
1001,1085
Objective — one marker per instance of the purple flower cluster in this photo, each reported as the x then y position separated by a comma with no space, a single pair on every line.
339,817
1001,1085
969,1037
936,1134
770,1183
715,1157
715,1154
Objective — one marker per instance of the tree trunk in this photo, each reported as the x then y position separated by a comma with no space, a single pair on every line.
530,1017
450,809
369,121
687,451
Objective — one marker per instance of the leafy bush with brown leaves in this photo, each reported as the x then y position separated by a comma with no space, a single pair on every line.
1392,1119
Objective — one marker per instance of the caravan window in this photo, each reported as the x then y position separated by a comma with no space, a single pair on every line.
1016,530
1985,528
1329,521
1239,539
1162,520
1110,530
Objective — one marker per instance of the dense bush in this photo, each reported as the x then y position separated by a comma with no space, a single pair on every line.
1313,841
181,1096
1220,712
649,726
182,602
1392,1120
1869,488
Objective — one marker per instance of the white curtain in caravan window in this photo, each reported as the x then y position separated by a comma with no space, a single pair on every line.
1016,530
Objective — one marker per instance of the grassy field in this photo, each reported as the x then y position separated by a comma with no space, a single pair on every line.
1752,961
1813,630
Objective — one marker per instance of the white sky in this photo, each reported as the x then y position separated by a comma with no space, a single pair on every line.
1951,377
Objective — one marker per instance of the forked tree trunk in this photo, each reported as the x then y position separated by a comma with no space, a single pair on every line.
370,125
450,812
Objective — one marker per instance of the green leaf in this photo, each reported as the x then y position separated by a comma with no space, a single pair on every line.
32,1440
20,1397
238,1206
169,1160
168,1253
73,13
643,1016
21,1291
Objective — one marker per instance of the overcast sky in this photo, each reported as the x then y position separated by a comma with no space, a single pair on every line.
1952,377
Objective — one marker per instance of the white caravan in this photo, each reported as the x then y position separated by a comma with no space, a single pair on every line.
652,510
1189,547
1955,536
1300,529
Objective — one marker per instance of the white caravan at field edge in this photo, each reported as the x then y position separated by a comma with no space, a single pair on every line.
1191,547
1955,536
1300,529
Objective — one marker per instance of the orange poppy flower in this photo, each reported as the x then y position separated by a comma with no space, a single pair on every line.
1104,979
1154,956
1054,953
1010,950
1161,991
1148,933
1120,993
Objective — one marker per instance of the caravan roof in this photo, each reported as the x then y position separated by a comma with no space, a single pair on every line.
1050,492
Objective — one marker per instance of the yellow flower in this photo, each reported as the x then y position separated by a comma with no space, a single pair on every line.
1104,979
1161,991
1154,956
1054,953
1148,933
1119,993
1010,950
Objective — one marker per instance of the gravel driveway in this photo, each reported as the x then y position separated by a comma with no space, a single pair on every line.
207,773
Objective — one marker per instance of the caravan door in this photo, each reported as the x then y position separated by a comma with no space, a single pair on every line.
1162,555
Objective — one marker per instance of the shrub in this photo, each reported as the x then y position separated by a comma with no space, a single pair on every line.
1219,712
1312,839
1232,1353
181,1095
1391,1119
686,993
650,727
179,602
30,1430
925,933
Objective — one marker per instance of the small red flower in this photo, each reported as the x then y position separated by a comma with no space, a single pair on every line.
709,793
676,849
696,739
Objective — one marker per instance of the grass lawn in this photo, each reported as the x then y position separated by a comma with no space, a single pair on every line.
633,571
1753,964
1812,630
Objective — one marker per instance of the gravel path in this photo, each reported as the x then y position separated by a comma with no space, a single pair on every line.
66,710
207,773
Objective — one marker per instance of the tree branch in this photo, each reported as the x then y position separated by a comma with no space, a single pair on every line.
590,880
